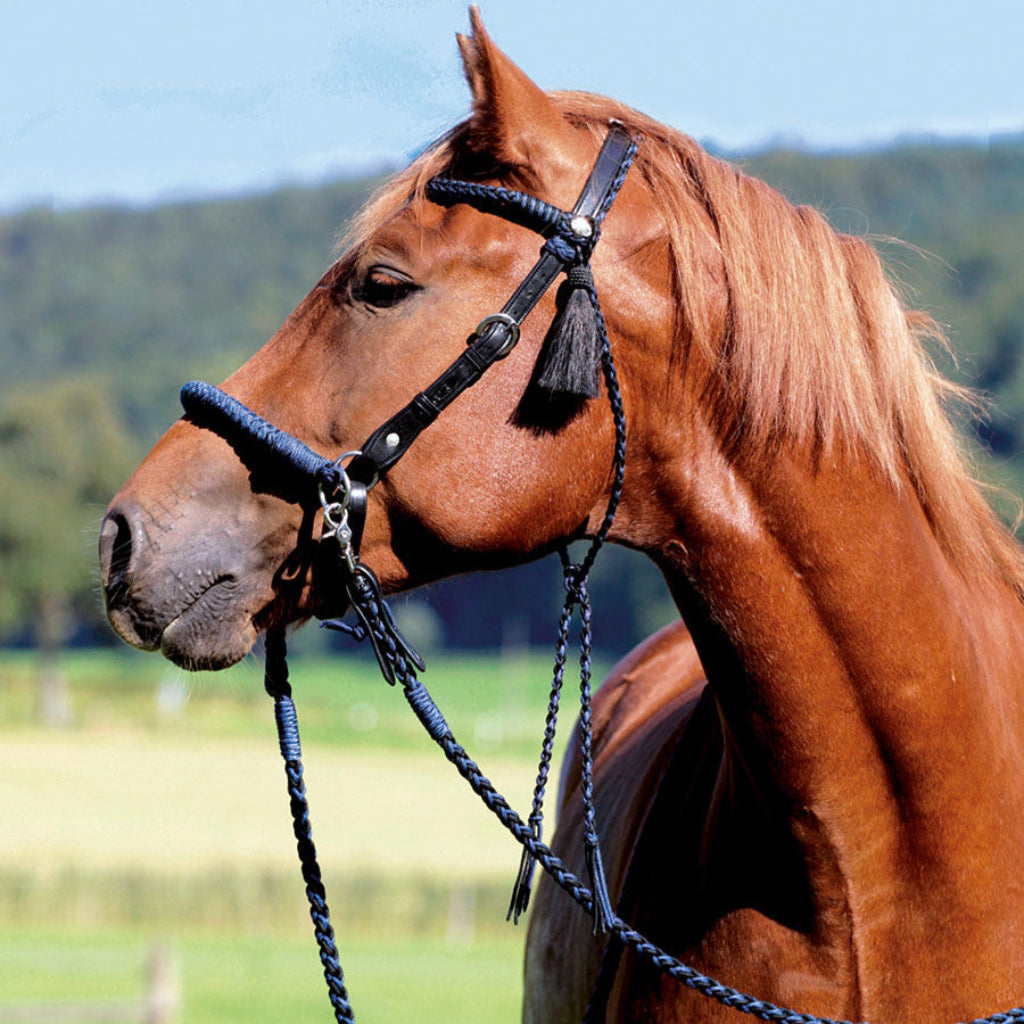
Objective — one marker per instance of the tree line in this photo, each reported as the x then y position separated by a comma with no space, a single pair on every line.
104,312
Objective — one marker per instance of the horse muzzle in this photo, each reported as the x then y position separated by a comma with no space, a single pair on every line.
192,605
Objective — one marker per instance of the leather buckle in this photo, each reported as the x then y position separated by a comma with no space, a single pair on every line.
513,332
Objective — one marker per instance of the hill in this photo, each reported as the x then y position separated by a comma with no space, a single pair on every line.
146,298
135,301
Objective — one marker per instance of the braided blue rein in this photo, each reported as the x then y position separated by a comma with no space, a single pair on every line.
277,685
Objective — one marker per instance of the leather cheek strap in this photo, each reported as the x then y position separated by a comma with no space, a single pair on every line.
390,441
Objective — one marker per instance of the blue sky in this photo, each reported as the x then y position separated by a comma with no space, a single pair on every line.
133,101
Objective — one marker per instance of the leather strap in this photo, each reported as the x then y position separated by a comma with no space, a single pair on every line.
390,441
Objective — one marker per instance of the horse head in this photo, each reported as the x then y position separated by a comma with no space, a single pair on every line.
198,554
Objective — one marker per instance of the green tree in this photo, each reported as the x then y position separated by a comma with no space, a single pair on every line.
63,452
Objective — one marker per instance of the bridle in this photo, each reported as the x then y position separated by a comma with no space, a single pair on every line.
339,487
570,239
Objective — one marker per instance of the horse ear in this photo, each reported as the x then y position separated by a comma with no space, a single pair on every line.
513,120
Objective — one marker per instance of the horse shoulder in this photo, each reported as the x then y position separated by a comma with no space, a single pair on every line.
640,714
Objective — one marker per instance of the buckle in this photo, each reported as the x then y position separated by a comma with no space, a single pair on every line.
513,332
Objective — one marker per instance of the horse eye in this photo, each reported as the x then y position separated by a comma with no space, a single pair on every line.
383,287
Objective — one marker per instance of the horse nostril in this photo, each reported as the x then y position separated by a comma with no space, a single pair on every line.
115,558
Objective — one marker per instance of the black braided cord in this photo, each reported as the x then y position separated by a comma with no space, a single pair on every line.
575,578
277,685
524,879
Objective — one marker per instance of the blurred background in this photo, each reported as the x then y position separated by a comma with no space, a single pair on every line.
171,184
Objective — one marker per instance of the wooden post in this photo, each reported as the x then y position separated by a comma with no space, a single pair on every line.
462,914
163,990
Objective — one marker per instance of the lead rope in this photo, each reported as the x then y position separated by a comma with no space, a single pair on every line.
275,681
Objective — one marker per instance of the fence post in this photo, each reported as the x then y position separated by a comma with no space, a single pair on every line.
163,991
462,914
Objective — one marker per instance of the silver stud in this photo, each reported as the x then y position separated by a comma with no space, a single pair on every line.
581,226
392,440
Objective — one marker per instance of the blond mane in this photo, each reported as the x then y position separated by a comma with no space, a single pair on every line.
818,350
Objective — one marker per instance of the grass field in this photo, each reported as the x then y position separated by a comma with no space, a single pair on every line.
161,811
495,705
187,804
229,978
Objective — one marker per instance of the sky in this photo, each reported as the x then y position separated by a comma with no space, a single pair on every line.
132,101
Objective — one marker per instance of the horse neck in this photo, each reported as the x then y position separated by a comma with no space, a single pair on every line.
865,688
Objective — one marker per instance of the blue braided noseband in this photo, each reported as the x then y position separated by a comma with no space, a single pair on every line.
296,470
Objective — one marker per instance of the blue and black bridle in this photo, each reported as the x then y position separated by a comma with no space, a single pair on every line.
340,487
307,477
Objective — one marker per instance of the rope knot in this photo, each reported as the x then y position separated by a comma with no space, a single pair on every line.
575,582
563,248
570,244
579,276
332,478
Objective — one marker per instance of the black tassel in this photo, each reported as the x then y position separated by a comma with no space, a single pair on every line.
571,359
603,913
524,879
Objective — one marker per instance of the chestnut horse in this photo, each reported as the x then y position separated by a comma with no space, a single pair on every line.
834,822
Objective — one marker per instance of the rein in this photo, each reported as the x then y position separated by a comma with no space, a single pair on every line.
312,480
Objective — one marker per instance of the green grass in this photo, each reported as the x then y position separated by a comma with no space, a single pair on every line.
161,810
229,978
494,705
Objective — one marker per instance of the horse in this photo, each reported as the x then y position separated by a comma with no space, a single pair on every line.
811,791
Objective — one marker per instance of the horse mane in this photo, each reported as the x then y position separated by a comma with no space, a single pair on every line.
818,351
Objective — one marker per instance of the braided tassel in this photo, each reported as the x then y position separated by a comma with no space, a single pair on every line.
603,912
571,358
524,878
